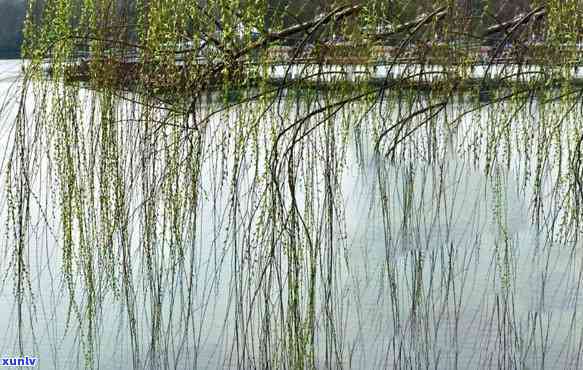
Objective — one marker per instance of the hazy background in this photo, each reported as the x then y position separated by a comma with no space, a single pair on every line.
12,13
11,17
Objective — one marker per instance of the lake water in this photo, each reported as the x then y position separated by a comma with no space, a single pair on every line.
458,249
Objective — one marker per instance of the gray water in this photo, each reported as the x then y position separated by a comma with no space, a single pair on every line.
479,281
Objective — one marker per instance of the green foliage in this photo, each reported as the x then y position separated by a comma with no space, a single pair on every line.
169,171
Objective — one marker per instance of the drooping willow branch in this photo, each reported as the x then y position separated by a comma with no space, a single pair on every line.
517,21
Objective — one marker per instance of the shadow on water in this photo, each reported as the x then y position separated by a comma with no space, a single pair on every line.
290,231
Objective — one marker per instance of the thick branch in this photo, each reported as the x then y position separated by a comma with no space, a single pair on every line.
414,24
334,16
515,22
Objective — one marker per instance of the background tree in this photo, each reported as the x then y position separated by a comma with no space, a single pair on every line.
12,14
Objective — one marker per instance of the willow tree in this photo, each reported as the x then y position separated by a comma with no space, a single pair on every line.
167,163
